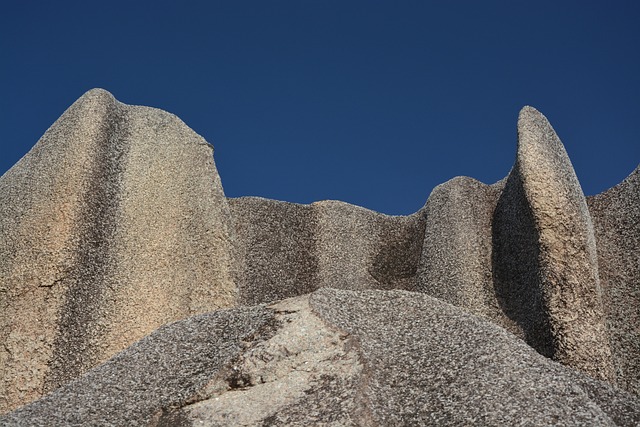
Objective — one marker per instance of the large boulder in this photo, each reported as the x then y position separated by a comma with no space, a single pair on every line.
333,357
112,225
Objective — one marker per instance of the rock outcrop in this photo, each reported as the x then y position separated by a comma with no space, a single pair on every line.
455,263
546,271
333,357
103,239
286,249
493,301
616,218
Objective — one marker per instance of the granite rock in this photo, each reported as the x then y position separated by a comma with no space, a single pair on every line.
616,219
455,263
286,249
112,225
515,302
429,363
276,252
162,371
545,265
334,357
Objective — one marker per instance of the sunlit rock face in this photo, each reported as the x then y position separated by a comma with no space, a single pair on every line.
112,225
116,224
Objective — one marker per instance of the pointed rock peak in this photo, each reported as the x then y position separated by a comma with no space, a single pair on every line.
95,104
528,112
533,127
553,213
532,121
539,146
99,95
98,91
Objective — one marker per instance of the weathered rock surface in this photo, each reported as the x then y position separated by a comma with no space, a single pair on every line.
159,372
455,263
333,358
307,373
276,249
112,225
616,218
116,223
546,270
429,363
287,249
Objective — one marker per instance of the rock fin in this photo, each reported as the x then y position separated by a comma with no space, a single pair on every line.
545,264
112,225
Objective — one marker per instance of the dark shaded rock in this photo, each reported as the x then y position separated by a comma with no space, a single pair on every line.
616,218
276,248
516,268
288,249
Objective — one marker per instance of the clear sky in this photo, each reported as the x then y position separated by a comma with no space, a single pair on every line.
370,102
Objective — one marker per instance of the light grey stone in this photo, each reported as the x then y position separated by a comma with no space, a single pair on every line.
307,373
333,357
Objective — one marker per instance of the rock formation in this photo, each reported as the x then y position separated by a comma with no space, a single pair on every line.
543,205
491,305
616,218
287,249
336,357
103,239
455,262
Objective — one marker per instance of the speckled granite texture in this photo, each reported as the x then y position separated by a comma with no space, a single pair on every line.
616,218
286,249
159,372
112,225
455,262
333,357
515,302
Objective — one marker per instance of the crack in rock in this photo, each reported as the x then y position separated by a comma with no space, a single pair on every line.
305,357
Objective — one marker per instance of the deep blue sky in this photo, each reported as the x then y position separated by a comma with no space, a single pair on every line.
370,102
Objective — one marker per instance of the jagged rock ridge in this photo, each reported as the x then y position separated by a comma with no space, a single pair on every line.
116,223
